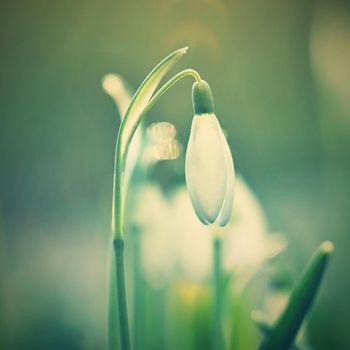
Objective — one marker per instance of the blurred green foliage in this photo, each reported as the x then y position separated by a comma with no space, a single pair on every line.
281,80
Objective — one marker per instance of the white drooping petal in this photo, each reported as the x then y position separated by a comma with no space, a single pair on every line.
207,168
226,210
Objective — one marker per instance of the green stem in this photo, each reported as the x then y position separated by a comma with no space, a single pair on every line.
160,313
121,294
218,340
113,311
137,291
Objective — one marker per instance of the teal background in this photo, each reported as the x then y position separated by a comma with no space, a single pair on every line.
280,75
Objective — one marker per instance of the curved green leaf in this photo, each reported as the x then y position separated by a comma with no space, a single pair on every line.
130,122
284,331
265,327
143,95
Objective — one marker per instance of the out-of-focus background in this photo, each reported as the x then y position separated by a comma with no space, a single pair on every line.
280,74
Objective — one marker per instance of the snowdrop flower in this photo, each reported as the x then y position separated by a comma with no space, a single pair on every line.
209,164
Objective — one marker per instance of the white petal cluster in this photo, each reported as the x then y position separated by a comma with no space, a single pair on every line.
209,171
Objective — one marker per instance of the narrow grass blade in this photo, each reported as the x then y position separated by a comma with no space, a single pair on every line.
285,330
265,327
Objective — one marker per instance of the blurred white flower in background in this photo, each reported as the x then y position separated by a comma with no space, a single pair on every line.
191,238
115,86
185,245
248,242
153,215
161,143
163,131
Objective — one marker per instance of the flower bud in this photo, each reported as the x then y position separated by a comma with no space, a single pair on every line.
202,98
209,164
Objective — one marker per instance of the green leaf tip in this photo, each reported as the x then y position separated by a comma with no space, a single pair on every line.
327,247
283,333
183,49
145,92
265,327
